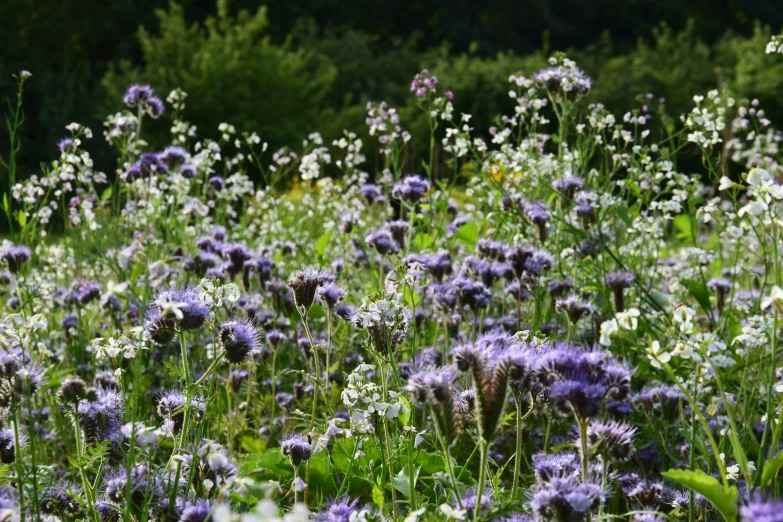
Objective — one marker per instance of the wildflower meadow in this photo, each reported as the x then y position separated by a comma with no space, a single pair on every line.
564,321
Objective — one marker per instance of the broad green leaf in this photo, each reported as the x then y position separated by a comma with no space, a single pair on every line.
771,469
699,292
251,445
321,476
468,233
271,461
322,243
708,486
106,195
422,241
684,226
402,481
409,298
21,217
660,298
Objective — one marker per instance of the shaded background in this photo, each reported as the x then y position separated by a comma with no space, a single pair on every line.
288,68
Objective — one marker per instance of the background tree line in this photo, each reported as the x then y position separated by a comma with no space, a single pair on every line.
285,69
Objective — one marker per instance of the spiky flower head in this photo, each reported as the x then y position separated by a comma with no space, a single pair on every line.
435,388
411,189
304,285
238,340
296,448
15,256
184,306
618,282
71,391
8,446
612,439
758,510
574,307
59,503
101,419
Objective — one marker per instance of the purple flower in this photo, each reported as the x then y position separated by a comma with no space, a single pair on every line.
100,418
304,285
425,83
574,307
296,448
618,281
564,82
238,340
15,256
411,189
184,306
569,185
372,193
338,511
331,294
383,242
143,97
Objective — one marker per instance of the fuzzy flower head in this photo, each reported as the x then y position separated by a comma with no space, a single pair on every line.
411,189
238,340
760,511
296,448
580,381
143,98
574,307
304,284
564,81
184,307
15,256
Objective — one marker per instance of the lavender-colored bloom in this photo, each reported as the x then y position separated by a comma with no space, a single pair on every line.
565,499
538,214
470,498
101,418
585,212
383,242
372,193
331,294
491,249
411,189
296,448
580,381
57,502
173,156
345,312
474,295
338,511
200,511
613,439
15,256
722,288
143,97
160,328
238,340
618,281
438,264
574,307
86,292
569,185
660,401
188,311
7,447
648,495
558,287
65,144
435,388
425,83
564,82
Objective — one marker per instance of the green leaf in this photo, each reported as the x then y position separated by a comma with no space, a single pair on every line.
468,233
422,241
322,243
699,292
684,226
708,486
106,195
321,476
21,217
5,202
402,482
251,445
410,298
771,469
271,461
660,298
377,497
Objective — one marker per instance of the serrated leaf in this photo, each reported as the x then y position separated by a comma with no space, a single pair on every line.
699,291
468,233
771,469
377,497
322,243
708,486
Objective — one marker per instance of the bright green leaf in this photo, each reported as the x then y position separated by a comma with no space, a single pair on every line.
708,486
699,292
468,233
771,469
322,243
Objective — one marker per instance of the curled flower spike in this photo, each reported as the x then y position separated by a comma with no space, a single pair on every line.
304,285
238,340
296,448
435,388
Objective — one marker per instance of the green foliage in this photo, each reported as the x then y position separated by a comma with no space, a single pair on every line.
725,500
232,68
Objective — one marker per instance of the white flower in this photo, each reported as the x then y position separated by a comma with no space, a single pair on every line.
629,319
683,316
413,516
607,329
726,184
776,294
657,355
452,513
